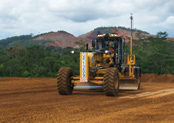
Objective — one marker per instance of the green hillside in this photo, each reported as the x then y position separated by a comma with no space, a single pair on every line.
23,40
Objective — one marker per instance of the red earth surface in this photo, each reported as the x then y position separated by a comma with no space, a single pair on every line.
37,100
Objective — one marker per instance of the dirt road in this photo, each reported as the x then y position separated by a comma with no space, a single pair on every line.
36,100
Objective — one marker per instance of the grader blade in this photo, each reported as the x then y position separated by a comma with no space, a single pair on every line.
89,86
129,84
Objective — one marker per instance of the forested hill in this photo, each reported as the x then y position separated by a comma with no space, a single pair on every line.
153,55
63,39
44,54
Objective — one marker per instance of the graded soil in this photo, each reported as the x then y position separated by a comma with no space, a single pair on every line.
37,100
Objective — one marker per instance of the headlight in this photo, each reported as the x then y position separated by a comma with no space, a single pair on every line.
72,51
106,51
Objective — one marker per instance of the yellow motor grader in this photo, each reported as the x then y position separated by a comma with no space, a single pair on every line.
108,67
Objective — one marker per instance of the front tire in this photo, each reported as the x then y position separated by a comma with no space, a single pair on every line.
111,82
64,85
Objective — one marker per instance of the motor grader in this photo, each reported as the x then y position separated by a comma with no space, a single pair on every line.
107,66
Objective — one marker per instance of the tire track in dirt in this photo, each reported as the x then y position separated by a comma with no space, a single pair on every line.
27,92
154,94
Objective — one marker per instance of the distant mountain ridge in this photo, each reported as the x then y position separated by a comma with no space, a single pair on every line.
62,39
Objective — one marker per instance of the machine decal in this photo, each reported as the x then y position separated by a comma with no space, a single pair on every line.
92,60
84,68
83,65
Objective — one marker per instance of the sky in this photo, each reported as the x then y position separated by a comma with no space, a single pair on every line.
22,17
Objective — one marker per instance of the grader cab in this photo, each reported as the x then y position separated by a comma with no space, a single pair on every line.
108,66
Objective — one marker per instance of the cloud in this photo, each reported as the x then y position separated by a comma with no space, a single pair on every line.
83,11
19,17
168,23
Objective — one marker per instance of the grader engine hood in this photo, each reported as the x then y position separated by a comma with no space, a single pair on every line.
84,67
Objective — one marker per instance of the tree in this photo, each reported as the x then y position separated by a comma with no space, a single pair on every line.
81,44
154,54
162,35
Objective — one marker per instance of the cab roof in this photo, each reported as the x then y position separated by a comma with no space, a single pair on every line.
109,36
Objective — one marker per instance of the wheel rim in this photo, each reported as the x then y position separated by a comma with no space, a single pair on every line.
116,82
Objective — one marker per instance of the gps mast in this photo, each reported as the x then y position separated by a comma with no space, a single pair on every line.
131,59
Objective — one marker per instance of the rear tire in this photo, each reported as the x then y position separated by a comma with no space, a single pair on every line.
111,82
64,85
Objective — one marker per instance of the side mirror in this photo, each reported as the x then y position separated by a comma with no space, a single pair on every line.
93,43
